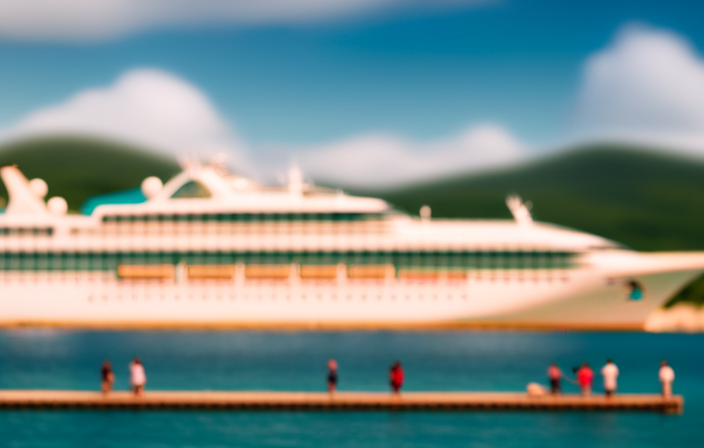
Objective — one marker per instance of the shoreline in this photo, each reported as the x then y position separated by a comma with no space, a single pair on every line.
680,318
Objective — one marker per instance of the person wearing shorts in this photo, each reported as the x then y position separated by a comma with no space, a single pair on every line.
396,378
332,376
138,378
555,375
610,374
666,376
107,377
585,375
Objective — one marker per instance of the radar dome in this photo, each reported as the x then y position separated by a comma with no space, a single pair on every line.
151,186
38,187
57,205
425,212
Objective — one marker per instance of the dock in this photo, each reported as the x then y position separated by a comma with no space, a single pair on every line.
339,401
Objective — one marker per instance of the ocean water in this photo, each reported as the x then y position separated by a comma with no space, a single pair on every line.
36,359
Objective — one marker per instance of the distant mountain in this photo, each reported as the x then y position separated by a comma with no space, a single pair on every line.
77,168
644,199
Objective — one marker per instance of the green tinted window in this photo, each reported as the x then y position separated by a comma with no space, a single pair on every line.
191,190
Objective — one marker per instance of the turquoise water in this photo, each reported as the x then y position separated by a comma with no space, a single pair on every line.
297,361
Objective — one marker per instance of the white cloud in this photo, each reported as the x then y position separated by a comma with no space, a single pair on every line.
385,160
149,108
158,110
648,86
78,20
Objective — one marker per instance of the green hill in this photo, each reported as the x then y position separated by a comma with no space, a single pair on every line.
646,200
77,168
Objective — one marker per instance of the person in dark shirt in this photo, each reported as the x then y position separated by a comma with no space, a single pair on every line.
396,377
332,376
555,375
107,377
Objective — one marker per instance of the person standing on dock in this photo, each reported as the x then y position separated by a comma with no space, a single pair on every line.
555,375
610,374
138,378
396,378
667,376
585,375
107,377
332,376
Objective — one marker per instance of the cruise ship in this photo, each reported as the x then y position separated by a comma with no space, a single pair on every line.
209,249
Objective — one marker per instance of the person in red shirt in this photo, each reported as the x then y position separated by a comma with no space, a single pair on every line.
555,375
585,376
396,377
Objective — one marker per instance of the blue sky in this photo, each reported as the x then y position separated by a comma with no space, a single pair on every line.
413,71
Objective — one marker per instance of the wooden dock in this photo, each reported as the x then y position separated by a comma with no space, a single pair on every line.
315,401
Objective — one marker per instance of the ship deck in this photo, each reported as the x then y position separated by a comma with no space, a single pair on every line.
320,401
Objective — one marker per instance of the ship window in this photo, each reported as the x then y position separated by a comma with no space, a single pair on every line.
499,260
41,261
81,262
26,261
556,261
191,190
54,261
69,261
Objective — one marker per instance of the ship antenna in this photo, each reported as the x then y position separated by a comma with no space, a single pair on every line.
520,210
218,163
189,164
295,180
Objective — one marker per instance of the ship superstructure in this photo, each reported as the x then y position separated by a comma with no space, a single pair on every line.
212,249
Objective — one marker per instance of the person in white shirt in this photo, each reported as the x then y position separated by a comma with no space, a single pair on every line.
667,376
610,374
138,378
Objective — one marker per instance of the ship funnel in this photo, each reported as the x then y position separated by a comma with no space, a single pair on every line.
24,197
520,210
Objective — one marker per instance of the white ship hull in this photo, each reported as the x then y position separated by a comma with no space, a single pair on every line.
581,298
